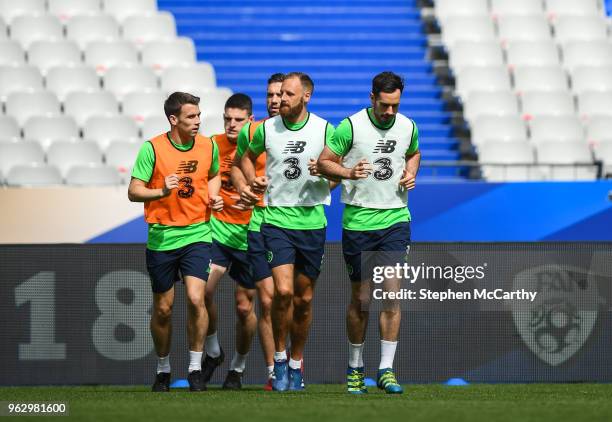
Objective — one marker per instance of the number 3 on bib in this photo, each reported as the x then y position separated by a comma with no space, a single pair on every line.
385,170
293,171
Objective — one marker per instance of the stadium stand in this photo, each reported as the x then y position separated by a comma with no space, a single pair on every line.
93,175
47,54
34,175
85,104
49,129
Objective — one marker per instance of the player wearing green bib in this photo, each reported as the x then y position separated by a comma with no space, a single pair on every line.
375,153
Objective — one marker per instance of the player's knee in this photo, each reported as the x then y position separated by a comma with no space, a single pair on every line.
265,306
162,313
244,309
302,302
284,295
195,302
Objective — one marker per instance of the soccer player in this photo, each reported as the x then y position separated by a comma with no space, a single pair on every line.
176,176
294,221
376,154
256,249
229,251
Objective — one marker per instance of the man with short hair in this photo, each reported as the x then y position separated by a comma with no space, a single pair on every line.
176,176
294,221
376,154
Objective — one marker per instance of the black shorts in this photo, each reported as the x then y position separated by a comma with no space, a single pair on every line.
392,239
303,248
257,256
236,261
167,267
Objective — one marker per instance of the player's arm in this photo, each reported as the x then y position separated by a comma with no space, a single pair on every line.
214,181
238,179
141,174
259,184
329,163
413,161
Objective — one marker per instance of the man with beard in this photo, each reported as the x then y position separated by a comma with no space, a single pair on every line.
294,221
376,154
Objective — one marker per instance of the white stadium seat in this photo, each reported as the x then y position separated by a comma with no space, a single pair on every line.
122,80
540,78
565,153
471,79
20,153
46,130
153,126
547,103
599,130
490,103
212,124
498,128
11,53
595,103
3,29
19,78
212,102
83,105
64,80
458,29
587,53
532,53
523,28
153,26
103,55
102,130
469,53
34,175
586,28
511,153
604,153
87,28
188,78
501,8
92,175
556,129
556,8
9,129
449,8
48,54
23,105
140,105
29,28
122,156
64,155
121,9
592,79
163,53
9,9
66,9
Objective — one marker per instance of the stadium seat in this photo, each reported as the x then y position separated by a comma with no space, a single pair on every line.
498,128
471,79
591,104
468,53
19,153
557,8
9,129
510,153
556,129
65,154
599,130
592,79
503,8
66,9
188,78
212,124
104,129
583,28
540,78
604,153
532,53
64,80
19,78
457,29
122,156
212,102
587,53
523,28
490,103
155,125
122,80
33,175
449,8
23,105
163,53
565,153
9,9
83,105
92,175
153,26
46,130
140,105
3,30
48,54
547,103
29,28
121,9
88,28
11,53
103,55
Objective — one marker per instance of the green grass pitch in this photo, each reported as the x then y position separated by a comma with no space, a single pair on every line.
474,403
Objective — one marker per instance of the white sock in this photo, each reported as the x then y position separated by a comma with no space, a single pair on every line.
387,353
356,355
295,364
211,344
270,371
280,356
238,362
195,361
163,364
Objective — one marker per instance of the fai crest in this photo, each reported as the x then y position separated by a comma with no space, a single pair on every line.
560,320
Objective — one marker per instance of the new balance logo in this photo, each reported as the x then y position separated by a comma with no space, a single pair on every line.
385,147
186,167
294,147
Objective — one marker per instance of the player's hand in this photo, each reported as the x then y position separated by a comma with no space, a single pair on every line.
247,196
259,185
240,204
170,182
408,180
361,170
216,203
312,167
